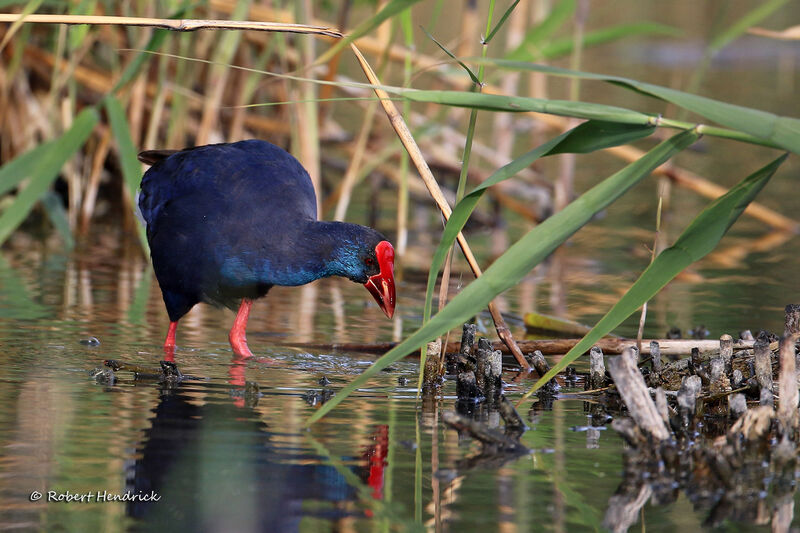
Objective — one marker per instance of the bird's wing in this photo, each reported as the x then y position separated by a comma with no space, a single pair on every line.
251,176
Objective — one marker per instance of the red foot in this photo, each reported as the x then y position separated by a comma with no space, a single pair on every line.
237,336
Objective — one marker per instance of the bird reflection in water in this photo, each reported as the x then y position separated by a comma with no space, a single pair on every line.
216,467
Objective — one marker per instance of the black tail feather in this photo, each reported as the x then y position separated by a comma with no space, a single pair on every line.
151,157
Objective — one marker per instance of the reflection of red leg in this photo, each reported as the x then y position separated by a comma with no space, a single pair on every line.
376,457
236,371
237,336
236,375
169,343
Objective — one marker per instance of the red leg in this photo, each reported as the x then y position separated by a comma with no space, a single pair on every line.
169,343
170,340
237,336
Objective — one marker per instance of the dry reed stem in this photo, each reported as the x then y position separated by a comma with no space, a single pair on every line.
732,256
306,108
399,125
787,408
90,194
352,172
156,110
174,24
101,82
609,346
789,34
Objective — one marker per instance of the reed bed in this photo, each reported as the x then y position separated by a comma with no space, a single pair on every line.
79,101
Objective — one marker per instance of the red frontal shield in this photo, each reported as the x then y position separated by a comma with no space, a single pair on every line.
381,285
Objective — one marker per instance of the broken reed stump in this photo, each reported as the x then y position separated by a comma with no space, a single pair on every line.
792,320
787,408
479,388
431,378
540,364
597,369
479,368
724,473
488,369
763,369
632,388
655,356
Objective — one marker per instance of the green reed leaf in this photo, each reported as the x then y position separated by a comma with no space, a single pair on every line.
131,169
517,104
778,130
471,74
54,207
42,169
584,138
501,22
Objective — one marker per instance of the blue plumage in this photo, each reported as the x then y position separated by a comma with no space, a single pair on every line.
226,222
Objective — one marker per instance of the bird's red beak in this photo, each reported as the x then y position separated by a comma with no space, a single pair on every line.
381,285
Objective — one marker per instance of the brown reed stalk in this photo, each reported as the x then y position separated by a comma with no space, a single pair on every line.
352,172
173,24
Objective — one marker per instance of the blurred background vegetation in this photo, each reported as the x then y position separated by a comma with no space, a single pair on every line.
78,102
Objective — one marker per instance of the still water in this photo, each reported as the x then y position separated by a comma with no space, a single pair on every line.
219,454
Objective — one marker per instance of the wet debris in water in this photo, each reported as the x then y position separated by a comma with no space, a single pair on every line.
324,381
91,341
699,332
494,441
168,373
402,381
103,376
539,363
479,370
481,404
315,398
251,393
708,425
597,369
432,378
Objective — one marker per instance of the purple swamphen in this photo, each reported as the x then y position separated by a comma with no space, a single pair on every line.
226,222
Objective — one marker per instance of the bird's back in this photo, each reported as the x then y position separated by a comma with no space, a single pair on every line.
250,173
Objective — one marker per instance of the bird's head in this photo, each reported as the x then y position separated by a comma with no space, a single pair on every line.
360,254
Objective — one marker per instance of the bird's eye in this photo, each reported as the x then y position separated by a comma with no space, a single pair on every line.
369,261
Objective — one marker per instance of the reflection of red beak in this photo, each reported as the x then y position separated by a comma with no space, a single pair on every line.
381,285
